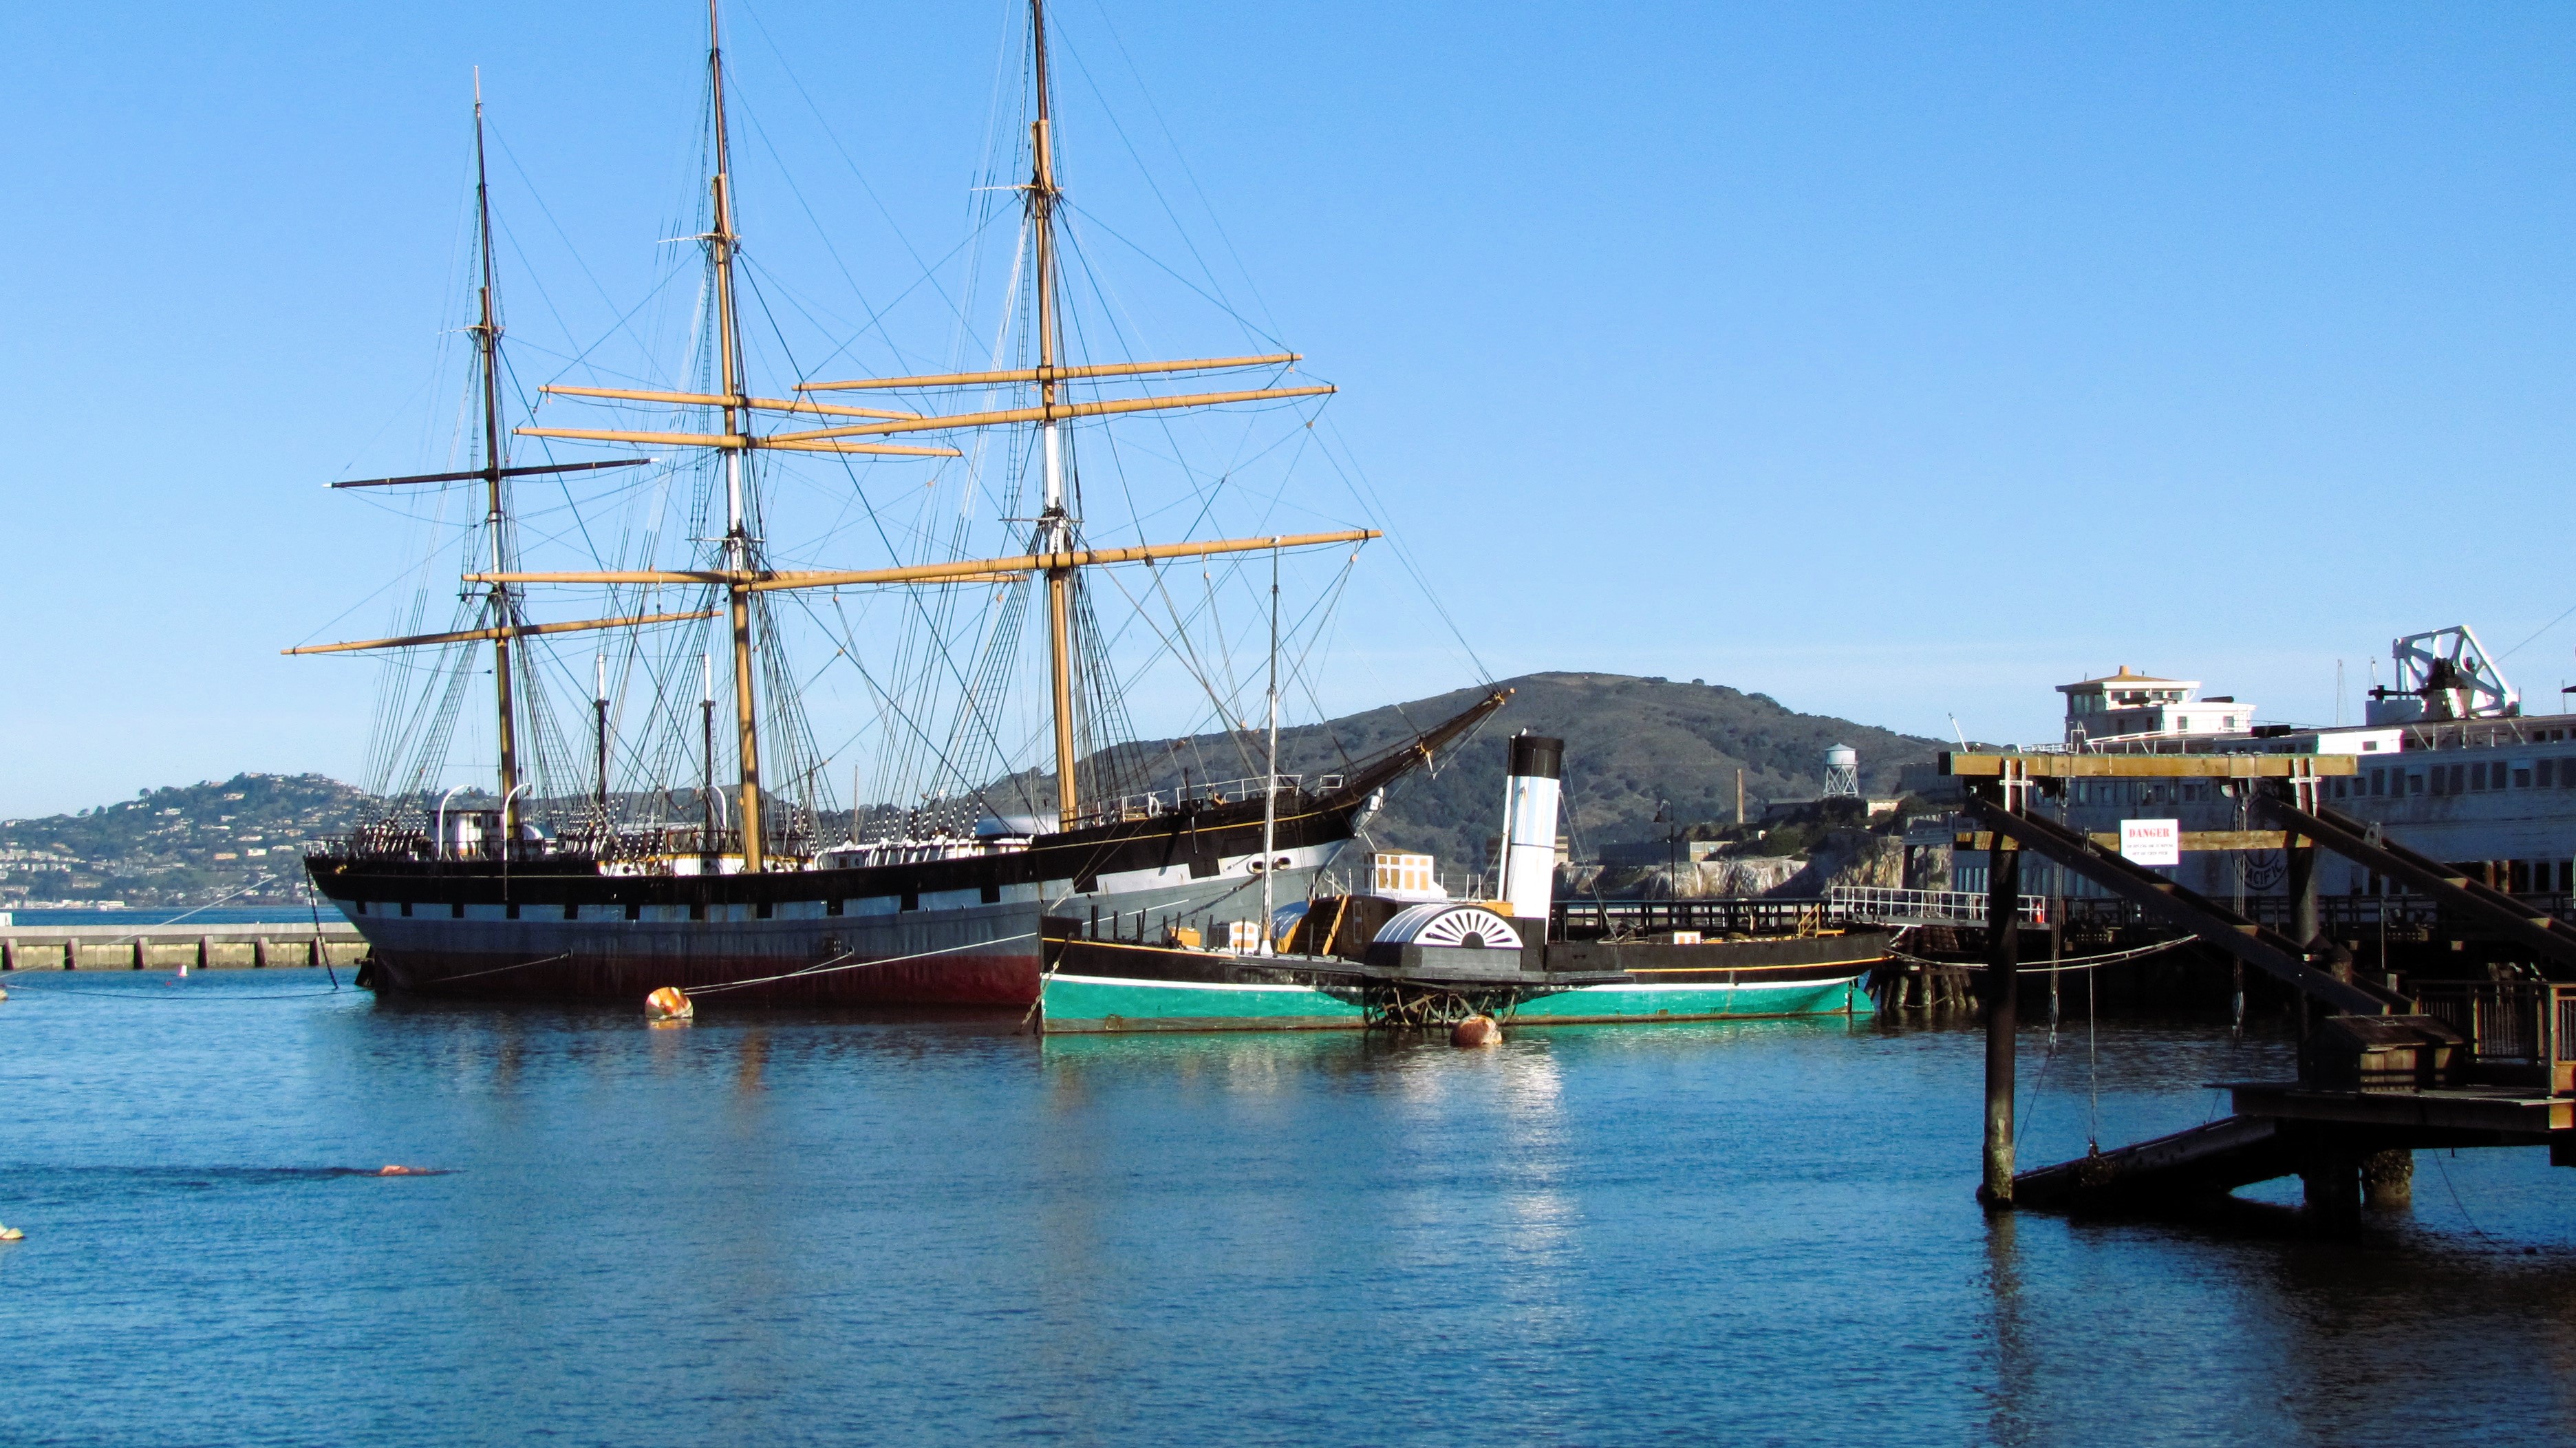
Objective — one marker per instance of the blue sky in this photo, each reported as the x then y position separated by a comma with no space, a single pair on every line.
1898,362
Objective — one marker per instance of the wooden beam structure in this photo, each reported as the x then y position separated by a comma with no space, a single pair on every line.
479,474
2545,934
964,571
2266,950
1052,413
1055,374
783,442
714,399
514,631
2192,840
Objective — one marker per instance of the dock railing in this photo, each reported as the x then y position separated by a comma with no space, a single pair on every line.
2523,1032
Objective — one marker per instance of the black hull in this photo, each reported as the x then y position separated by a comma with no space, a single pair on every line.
924,931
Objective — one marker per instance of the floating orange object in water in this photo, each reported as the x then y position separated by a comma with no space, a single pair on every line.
668,1004
399,1171
1477,1031
12,1234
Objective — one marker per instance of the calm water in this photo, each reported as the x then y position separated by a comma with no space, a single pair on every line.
145,919
771,1229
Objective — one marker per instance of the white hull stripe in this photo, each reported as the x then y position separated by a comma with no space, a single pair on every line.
1703,987
1643,988
1174,984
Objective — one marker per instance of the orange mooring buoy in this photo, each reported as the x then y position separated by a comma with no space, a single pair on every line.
1477,1031
668,1004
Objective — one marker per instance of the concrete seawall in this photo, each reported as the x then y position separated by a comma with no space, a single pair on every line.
169,947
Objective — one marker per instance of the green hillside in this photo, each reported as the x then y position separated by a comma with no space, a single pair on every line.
1628,743
180,846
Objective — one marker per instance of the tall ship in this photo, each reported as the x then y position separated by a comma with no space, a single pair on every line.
691,839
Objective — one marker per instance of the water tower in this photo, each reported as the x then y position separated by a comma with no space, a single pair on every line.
1842,772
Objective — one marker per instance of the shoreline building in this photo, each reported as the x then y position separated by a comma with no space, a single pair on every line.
2450,766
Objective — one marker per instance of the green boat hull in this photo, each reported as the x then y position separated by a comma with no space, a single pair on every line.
1106,1003
1647,1002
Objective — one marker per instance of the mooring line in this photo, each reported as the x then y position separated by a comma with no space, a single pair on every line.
496,970
184,914
833,964
2082,962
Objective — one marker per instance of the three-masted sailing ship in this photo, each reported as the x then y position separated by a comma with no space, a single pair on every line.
553,894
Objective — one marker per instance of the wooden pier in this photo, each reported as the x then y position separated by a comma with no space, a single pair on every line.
2387,1066
171,947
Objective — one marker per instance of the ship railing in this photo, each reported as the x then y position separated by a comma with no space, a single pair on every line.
588,842
1599,919
914,851
1153,803
1882,905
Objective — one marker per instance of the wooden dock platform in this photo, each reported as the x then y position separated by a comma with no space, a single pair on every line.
2342,1144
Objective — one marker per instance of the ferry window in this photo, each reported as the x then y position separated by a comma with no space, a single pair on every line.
2458,771
2477,776
2441,777
2544,767
2567,774
2414,784
2522,777
2379,781
2339,788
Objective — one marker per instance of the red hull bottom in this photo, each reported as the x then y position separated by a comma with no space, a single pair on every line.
1001,978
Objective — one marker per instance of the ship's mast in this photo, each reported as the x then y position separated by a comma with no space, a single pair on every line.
1055,522
487,347
738,544
1056,550
1270,785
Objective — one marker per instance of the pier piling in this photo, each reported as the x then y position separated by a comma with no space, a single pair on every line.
2388,1180
2003,959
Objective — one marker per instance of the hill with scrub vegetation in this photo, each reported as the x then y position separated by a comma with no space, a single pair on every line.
1632,747
187,845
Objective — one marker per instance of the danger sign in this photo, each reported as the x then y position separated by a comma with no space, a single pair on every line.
2152,843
